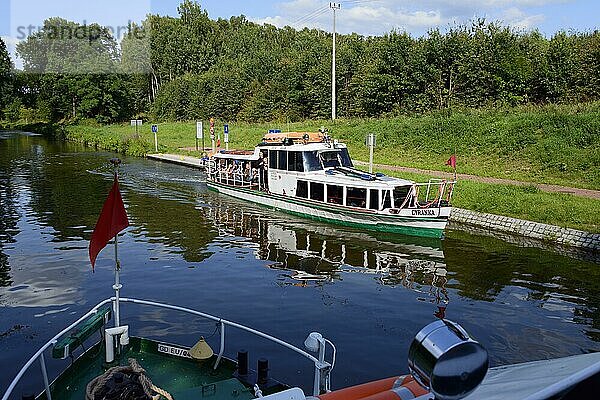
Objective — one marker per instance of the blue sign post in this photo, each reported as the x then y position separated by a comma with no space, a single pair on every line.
155,131
226,136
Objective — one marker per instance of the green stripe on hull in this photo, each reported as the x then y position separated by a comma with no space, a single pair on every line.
380,227
405,230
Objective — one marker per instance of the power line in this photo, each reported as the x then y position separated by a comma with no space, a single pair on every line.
311,15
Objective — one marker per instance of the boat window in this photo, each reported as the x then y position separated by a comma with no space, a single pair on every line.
317,191
311,161
345,157
295,162
374,199
387,199
273,159
335,194
356,197
282,156
302,189
400,194
330,159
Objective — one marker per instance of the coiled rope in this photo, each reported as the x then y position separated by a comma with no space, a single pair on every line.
152,391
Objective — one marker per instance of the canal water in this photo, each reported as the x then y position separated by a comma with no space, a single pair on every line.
368,293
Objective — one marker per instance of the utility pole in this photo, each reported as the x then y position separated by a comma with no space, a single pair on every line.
334,7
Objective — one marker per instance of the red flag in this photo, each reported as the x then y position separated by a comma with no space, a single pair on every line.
452,161
112,220
218,142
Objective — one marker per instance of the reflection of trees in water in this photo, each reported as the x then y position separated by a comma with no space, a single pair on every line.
321,254
58,187
483,268
65,196
171,223
9,215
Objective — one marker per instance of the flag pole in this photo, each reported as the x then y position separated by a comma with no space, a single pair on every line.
117,286
454,164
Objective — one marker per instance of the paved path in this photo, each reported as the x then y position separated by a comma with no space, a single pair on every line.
592,194
187,161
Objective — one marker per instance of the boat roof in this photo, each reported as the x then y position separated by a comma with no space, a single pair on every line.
316,146
306,137
242,155
537,379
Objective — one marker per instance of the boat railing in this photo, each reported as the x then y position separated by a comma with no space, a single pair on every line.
321,372
40,353
434,197
233,177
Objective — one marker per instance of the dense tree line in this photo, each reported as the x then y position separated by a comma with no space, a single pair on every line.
237,70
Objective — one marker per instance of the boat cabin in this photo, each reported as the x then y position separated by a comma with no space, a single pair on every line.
312,167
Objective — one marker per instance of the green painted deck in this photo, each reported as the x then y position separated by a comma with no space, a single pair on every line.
183,378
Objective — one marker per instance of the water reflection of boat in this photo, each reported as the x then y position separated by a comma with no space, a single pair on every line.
320,253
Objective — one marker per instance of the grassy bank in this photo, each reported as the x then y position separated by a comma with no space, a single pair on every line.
554,144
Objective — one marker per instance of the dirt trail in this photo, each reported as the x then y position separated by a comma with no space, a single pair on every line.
592,194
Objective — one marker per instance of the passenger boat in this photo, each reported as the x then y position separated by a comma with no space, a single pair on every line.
310,175
445,363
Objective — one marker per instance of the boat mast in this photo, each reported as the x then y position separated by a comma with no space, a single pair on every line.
117,286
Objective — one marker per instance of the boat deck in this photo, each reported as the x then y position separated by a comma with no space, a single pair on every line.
183,378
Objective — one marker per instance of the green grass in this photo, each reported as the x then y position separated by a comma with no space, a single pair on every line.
552,144
523,202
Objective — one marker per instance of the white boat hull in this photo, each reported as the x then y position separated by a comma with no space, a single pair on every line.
411,222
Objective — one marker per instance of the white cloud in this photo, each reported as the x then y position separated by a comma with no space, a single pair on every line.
518,19
11,47
10,41
375,17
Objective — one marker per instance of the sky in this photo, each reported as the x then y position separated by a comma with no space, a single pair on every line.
366,17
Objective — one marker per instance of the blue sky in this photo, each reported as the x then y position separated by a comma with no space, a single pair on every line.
367,17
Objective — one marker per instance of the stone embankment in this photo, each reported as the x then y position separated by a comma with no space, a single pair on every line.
543,232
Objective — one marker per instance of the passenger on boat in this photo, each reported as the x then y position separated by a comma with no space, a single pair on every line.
263,165
248,172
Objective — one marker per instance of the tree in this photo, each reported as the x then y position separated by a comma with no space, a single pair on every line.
6,78
74,71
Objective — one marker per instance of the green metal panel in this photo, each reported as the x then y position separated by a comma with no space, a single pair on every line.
65,347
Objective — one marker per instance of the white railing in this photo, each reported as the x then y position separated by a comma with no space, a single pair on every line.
321,380
40,353
445,188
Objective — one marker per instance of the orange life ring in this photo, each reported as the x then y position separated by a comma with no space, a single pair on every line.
396,388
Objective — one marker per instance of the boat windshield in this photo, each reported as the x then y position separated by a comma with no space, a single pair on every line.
400,194
311,161
345,157
330,159
336,158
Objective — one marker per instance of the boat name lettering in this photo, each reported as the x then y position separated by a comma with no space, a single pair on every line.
174,351
424,213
